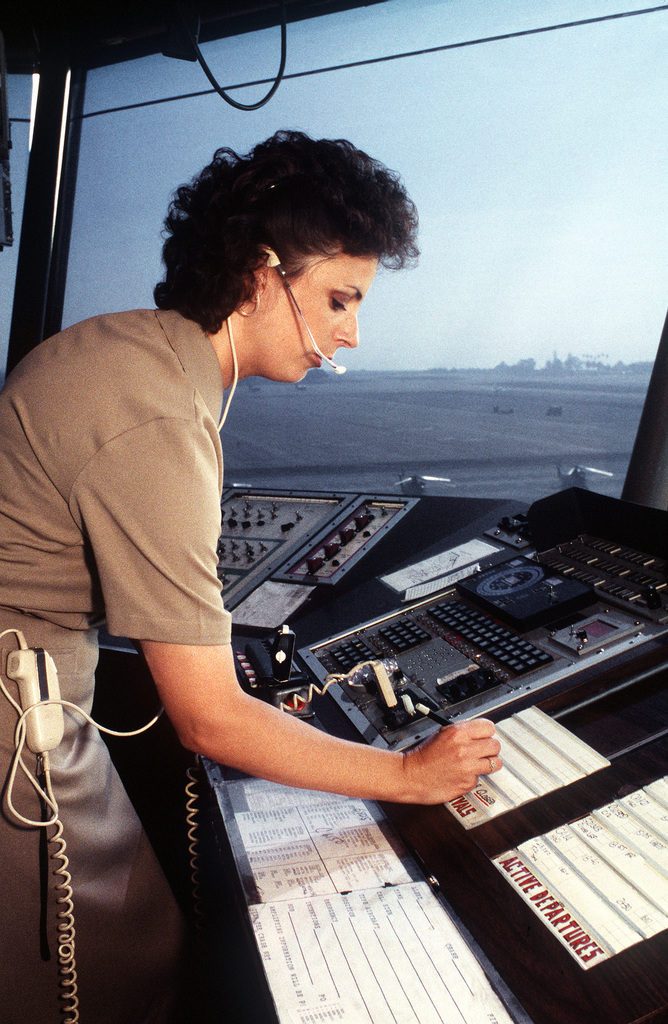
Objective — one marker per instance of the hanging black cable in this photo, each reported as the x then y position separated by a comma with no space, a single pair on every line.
216,85
370,61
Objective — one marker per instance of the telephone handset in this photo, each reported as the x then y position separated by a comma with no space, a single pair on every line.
34,670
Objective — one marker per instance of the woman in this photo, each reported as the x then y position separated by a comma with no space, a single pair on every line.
110,485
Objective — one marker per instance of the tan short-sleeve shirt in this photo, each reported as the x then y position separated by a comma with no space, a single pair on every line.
110,480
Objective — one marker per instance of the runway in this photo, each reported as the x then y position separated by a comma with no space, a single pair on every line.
511,437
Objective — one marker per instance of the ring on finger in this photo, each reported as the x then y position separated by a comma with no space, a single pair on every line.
492,764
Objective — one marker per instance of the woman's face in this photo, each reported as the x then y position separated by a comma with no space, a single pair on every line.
329,293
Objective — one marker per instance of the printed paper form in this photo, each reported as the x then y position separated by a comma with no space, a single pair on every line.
431,574
388,955
300,851
343,928
298,843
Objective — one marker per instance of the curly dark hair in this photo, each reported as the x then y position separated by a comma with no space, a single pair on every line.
301,197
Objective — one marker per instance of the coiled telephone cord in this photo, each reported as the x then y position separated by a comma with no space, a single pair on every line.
65,930
192,824
352,678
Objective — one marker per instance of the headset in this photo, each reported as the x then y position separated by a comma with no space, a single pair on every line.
273,261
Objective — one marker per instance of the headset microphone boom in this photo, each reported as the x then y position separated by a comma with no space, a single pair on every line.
273,261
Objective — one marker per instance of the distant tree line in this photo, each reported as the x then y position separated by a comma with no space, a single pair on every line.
571,364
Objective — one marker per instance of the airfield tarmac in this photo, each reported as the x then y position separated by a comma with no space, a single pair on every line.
495,437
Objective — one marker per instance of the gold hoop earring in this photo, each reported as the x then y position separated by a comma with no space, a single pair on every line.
255,308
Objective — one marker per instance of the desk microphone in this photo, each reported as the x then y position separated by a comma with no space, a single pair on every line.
273,261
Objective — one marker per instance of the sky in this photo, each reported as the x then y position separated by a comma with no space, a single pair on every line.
539,166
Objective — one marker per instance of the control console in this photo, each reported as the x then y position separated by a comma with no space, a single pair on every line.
496,636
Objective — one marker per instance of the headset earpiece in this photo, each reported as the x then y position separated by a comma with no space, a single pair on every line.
272,258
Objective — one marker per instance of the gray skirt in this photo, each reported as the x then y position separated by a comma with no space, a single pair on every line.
129,934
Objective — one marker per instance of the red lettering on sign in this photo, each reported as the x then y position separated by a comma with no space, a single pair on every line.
522,875
531,883
570,931
462,806
594,952
508,862
580,941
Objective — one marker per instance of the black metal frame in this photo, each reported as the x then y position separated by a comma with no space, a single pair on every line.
48,205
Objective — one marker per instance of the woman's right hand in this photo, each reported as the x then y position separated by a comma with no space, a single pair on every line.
451,761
